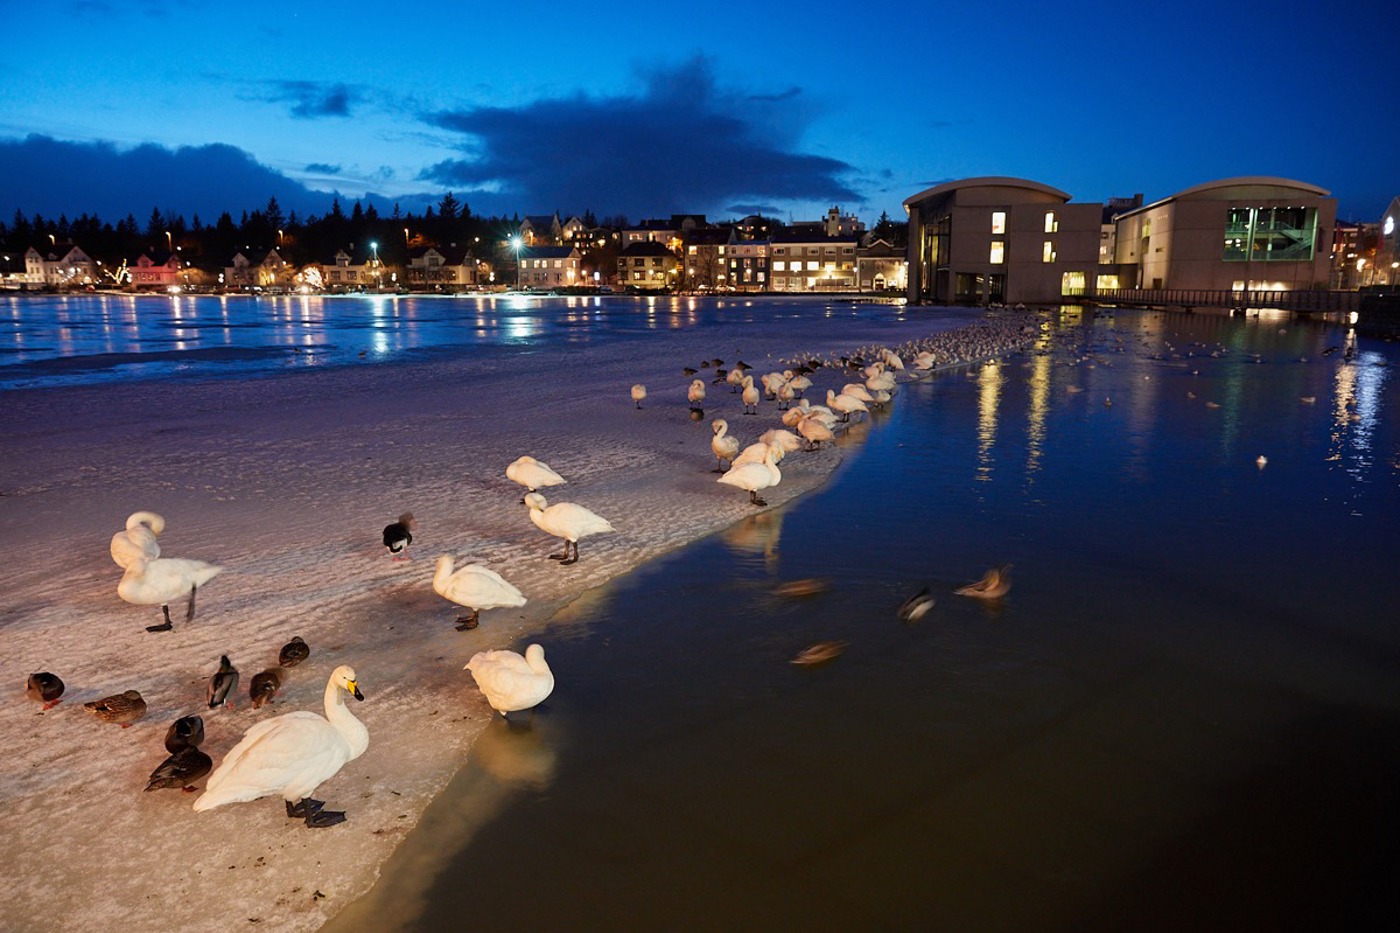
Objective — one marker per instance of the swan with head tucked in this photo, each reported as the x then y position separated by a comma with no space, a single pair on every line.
755,452
639,392
755,476
292,755
532,474
568,521
815,430
696,393
138,540
845,404
724,445
473,587
160,581
511,682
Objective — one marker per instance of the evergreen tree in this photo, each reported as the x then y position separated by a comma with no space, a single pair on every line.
448,207
155,227
273,212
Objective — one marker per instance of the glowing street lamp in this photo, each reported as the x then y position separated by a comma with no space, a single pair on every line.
515,244
374,250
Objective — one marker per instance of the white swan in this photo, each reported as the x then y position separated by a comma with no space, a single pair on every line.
755,452
799,383
639,392
158,582
856,390
815,430
473,587
845,404
696,393
292,755
511,682
568,521
750,396
138,540
785,441
532,474
755,476
723,444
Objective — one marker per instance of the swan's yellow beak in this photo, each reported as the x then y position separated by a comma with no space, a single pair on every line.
354,687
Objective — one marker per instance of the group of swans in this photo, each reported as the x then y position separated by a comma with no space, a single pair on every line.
151,580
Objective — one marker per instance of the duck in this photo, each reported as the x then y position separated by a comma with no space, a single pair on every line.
473,587
724,445
511,682
993,585
755,476
185,732
138,540
568,521
222,684
399,535
696,393
45,688
293,652
819,653
181,770
264,687
639,393
120,708
159,581
293,754
533,474
916,607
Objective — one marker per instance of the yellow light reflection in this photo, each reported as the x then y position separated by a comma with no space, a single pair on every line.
1037,409
989,383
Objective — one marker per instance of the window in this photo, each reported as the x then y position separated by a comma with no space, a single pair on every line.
779,265
998,254
1048,252
812,265
1106,281
998,224
1052,225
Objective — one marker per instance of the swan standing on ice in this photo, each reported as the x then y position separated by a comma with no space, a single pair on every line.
639,392
845,404
473,587
751,396
292,755
755,476
399,535
724,446
511,682
568,521
160,581
696,394
532,474
138,540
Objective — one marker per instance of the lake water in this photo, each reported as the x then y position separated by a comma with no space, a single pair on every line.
1184,715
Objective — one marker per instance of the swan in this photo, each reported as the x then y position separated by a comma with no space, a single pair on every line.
735,377
292,755
771,383
724,445
399,535
568,521
532,474
845,404
511,682
222,684
799,383
993,585
138,540
856,390
696,393
755,452
785,441
639,392
750,396
157,582
473,587
819,653
815,430
755,476
786,393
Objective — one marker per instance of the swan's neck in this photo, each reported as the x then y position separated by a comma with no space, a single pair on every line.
537,516
442,574
344,721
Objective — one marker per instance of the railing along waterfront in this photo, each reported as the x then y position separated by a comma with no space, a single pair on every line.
1231,298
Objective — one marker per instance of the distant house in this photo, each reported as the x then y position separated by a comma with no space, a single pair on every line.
549,267
61,265
881,266
256,268
573,230
450,267
541,229
748,265
647,266
155,269
706,260
813,262
356,272
653,231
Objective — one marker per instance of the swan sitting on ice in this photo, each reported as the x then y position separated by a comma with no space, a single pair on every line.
532,474
292,755
511,682
138,540
724,445
157,582
473,587
639,392
568,521
755,476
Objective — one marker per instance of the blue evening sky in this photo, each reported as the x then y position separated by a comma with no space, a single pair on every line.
652,109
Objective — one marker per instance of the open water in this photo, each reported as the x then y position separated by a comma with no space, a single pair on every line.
1185,714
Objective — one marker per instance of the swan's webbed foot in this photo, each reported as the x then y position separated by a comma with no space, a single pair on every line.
570,553
323,818
303,807
562,557
160,628
753,497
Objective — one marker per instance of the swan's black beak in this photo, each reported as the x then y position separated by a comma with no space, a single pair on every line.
355,690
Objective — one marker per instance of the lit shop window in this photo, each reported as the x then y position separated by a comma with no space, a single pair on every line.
998,255
998,224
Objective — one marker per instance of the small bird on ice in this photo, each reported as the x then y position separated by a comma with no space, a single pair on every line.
399,535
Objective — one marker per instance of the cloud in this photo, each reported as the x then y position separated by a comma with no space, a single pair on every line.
53,177
311,100
322,168
680,144
744,210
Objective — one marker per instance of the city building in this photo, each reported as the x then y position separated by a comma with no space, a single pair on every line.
647,266
881,266
60,265
812,262
1388,249
446,267
748,265
550,267
706,260
155,269
541,229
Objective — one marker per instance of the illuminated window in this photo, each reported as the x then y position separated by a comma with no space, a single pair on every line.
1106,281
779,265
812,265
1052,225
998,224
1048,253
998,255
1072,283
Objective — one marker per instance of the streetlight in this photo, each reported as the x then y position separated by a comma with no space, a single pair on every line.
169,243
374,249
515,244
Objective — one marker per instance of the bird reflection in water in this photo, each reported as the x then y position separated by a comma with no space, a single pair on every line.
757,535
516,753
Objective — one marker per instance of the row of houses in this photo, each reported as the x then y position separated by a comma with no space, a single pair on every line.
1002,239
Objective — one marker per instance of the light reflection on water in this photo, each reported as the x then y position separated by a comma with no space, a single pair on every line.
1185,711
